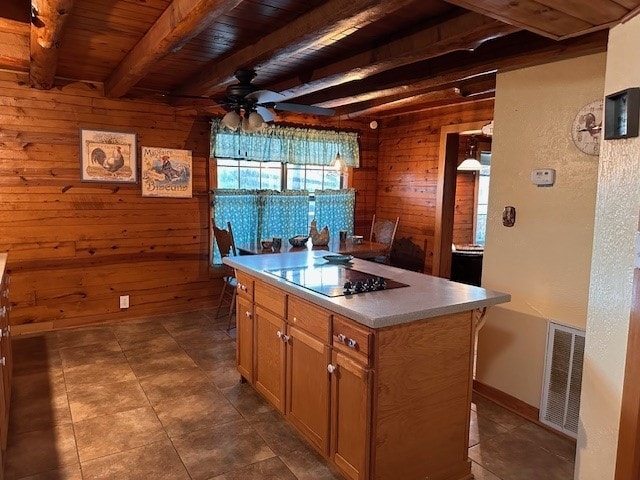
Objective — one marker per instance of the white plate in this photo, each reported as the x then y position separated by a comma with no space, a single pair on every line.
338,258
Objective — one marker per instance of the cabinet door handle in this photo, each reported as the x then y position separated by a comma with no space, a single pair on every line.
248,314
3,361
332,368
279,334
3,311
4,332
286,338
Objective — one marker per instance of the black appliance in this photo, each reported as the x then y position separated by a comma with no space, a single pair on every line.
335,280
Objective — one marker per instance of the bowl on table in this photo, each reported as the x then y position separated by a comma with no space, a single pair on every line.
266,244
299,240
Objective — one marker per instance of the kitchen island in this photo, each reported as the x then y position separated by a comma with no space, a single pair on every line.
378,380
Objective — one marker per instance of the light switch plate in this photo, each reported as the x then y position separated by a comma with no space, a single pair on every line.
544,177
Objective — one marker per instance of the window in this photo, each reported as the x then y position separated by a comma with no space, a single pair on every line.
244,174
482,199
276,181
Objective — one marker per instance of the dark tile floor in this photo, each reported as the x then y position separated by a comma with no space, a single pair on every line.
160,399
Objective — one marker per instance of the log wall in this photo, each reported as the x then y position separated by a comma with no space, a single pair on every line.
408,176
75,247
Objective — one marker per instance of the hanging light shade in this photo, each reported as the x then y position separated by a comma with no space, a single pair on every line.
231,120
337,161
471,163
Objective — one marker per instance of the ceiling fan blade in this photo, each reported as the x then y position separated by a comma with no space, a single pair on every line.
265,113
264,96
297,108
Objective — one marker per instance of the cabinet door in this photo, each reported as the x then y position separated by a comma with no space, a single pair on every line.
308,386
244,337
350,416
269,350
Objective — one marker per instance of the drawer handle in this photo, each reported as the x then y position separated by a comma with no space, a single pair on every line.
349,342
242,287
332,368
4,332
3,312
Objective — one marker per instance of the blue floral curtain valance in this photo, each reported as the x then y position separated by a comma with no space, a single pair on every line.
300,146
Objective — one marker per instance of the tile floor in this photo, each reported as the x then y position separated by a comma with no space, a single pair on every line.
160,399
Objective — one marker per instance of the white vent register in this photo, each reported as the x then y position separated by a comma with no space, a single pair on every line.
560,406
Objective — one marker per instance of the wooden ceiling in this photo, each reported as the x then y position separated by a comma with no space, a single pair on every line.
360,57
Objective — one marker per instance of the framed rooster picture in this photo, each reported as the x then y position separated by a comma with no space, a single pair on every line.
166,172
108,156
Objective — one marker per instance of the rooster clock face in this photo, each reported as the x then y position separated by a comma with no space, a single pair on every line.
586,128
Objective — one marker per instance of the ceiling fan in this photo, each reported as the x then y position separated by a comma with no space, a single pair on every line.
249,107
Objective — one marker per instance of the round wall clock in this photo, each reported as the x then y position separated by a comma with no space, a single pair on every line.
586,128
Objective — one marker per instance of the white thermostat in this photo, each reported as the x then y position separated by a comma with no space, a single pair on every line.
544,177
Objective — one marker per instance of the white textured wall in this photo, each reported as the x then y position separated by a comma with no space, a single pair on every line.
617,207
544,260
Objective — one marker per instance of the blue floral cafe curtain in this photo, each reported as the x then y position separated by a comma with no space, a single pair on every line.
240,208
275,143
335,209
283,214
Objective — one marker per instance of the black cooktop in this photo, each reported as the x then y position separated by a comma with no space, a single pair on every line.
335,280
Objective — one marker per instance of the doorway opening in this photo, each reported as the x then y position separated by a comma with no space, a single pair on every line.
462,199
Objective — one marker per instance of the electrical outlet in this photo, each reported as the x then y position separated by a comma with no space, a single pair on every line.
124,301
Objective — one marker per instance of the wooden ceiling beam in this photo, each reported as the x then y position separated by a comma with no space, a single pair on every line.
325,25
14,38
522,50
411,99
178,24
556,19
463,32
421,107
47,25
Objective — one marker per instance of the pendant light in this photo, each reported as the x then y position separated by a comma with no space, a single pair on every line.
471,163
337,161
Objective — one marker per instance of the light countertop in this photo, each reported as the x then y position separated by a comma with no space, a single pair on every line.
427,296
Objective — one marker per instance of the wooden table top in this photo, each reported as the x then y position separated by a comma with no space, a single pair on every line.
366,249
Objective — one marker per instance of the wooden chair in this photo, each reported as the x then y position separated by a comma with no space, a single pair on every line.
226,247
383,231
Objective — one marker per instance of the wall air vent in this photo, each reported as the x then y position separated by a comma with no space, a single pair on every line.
560,406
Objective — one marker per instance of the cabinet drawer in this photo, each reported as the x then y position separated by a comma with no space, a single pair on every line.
271,298
245,285
309,317
352,339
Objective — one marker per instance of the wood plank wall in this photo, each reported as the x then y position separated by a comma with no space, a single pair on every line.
75,247
408,176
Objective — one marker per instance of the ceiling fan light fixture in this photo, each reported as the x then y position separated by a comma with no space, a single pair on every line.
256,122
231,120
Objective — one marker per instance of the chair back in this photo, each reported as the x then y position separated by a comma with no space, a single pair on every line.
225,241
384,231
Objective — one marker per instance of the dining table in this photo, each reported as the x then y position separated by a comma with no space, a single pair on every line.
363,249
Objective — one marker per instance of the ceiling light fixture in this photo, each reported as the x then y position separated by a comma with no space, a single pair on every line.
471,163
249,122
337,161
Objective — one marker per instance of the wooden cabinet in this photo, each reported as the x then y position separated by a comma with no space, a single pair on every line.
350,415
244,337
269,354
308,355
244,325
380,404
